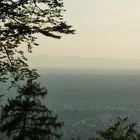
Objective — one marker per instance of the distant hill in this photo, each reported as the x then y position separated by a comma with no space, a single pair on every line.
43,62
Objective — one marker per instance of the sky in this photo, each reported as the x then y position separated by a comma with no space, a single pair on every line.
104,29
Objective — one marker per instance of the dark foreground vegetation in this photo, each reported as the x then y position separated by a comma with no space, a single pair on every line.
24,117
122,129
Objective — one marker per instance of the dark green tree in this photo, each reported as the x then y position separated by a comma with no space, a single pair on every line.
20,22
26,118
122,129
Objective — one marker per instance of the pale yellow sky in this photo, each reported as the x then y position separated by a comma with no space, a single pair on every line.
104,28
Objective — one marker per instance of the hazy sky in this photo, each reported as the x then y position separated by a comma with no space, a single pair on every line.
104,28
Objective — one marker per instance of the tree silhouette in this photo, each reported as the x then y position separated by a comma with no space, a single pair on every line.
20,21
120,130
26,118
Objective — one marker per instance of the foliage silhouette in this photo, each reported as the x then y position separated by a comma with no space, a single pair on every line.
20,21
26,118
120,130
